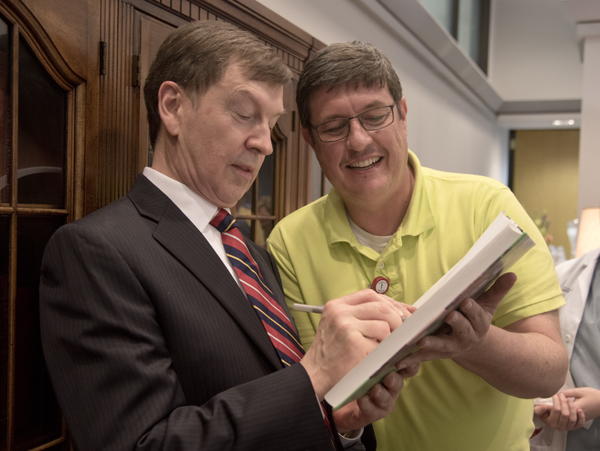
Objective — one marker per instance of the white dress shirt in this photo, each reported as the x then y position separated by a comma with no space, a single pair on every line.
197,209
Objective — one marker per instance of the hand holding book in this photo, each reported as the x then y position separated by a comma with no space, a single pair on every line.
466,329
501,245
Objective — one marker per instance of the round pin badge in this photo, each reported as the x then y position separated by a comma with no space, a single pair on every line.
380,284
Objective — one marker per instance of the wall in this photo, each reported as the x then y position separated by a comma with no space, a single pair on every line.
589,162
445,129
534,53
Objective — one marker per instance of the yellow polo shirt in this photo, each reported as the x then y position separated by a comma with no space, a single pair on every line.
444,407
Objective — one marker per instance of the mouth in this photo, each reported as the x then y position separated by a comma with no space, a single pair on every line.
366,164
245,169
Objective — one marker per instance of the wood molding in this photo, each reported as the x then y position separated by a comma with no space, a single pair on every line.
41,43
292,43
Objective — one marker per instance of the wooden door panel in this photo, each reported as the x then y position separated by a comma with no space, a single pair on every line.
152,34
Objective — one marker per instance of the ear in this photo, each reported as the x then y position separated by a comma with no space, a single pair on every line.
170,103
307,135
403,107
403,110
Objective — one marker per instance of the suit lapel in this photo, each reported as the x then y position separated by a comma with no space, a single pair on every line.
186,243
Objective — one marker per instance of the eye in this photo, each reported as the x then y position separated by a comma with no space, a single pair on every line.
243,117
333,127
375,119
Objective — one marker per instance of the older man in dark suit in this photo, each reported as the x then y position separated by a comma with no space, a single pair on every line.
150,338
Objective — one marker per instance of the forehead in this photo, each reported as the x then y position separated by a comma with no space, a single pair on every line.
346,100
235,84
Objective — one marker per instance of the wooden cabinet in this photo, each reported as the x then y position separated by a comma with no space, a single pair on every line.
73,138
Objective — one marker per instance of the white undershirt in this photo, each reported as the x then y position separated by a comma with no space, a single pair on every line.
377,243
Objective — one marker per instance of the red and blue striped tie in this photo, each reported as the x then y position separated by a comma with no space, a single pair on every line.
277,324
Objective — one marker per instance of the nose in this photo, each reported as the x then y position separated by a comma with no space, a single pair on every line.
358,138
260,139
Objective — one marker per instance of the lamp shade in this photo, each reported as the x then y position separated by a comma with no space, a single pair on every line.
588,235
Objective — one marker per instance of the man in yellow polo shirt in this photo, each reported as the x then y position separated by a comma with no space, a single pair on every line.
392,223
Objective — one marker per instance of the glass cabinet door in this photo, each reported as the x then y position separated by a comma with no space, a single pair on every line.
33,204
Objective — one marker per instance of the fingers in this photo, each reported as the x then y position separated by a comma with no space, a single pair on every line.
542,410
475,320
374,330
393,383
373,406
406,309
570,414
365,296
382,397
563,414
573,392
580,419
367,305
467,331
491,298
469,325
349,329
368,296
407,371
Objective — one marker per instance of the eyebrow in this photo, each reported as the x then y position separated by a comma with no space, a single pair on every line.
368,106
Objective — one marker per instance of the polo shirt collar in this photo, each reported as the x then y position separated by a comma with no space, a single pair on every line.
419,217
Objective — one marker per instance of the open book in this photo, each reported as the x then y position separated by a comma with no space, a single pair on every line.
501,245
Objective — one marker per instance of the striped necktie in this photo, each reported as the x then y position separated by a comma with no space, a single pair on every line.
277,324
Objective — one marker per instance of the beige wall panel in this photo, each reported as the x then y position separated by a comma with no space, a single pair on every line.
546,177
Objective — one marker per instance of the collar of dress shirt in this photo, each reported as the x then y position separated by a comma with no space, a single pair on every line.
195,207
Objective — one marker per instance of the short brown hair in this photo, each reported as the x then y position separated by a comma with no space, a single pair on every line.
195,55
348,65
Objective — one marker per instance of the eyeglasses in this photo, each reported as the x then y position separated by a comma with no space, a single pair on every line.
338,129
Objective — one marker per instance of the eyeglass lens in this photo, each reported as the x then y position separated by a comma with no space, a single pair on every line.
339,129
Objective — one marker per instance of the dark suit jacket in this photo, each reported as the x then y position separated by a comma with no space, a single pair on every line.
151,344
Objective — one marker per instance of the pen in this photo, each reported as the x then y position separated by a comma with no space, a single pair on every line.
308,308
317,309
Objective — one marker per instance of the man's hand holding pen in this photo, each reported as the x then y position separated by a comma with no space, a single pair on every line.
349,329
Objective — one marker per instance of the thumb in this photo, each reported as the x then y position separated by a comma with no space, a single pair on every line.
541,409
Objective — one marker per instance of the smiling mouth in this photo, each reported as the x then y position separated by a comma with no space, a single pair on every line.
367,164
